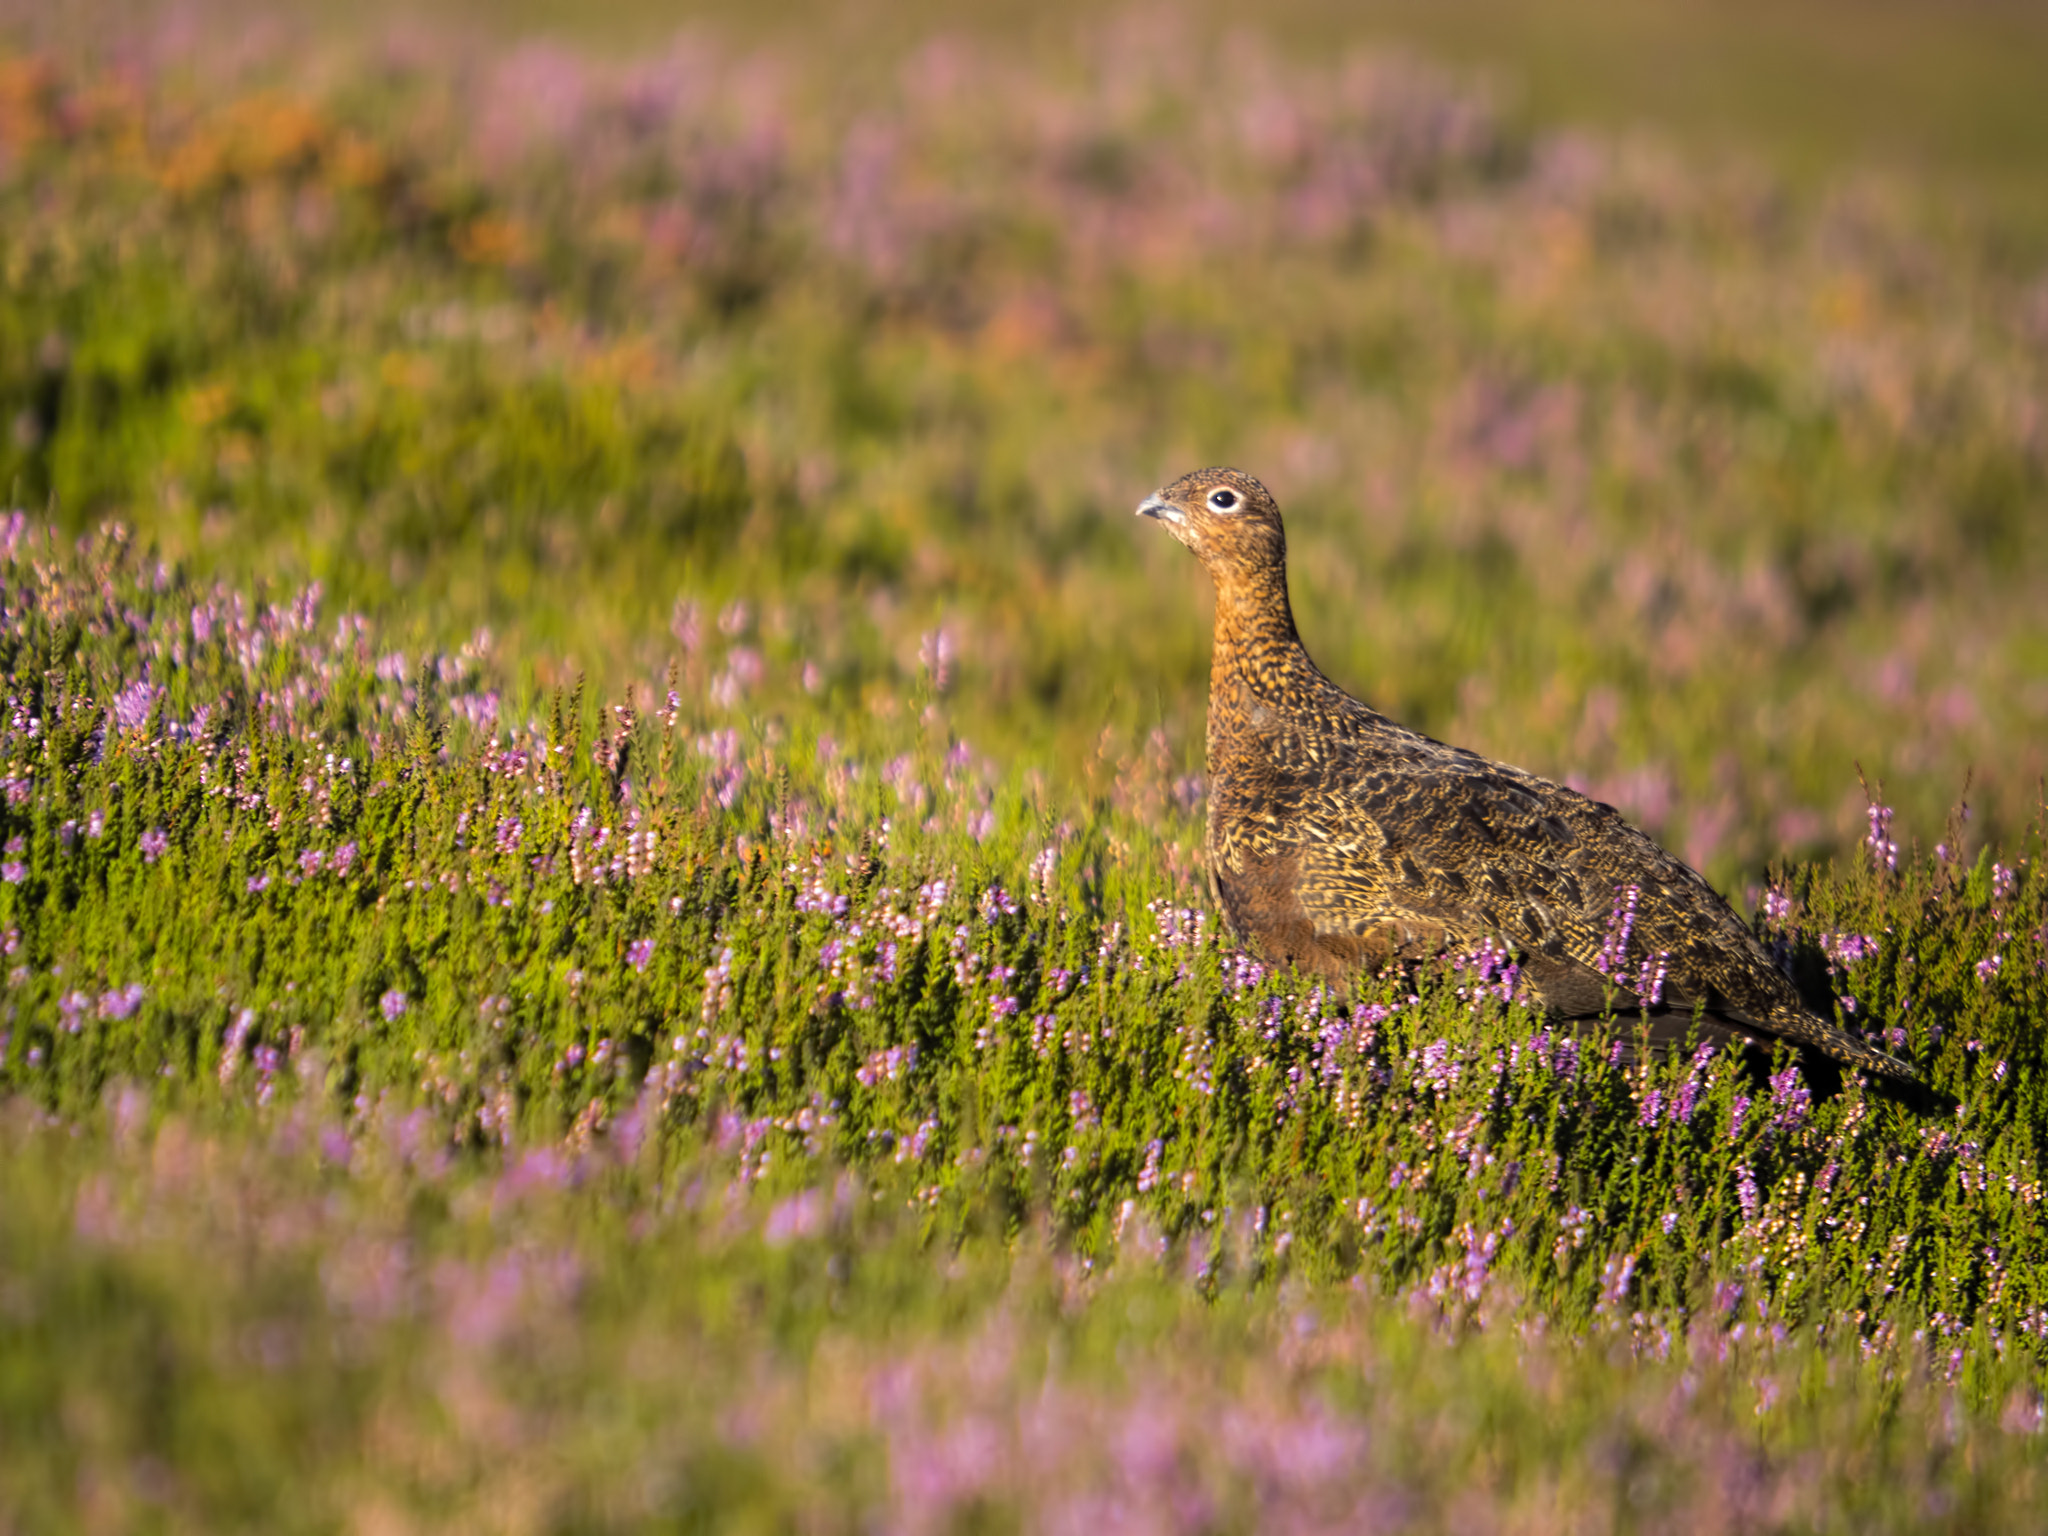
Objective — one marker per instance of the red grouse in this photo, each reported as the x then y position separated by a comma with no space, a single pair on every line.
1339,840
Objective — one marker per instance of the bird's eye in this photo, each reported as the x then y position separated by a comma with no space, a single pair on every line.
1223,501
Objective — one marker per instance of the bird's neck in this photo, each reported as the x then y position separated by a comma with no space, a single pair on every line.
1255,636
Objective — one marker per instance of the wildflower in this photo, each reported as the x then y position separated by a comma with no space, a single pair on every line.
13,871
1989,967
1148,1175
1884,853
935,656
1616,1276
1621,924
718,986
1746,1192
122,1002
639,952
131,705
1792,1098
258,884
393,1004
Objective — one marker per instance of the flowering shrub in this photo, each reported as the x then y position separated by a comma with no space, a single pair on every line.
720,1091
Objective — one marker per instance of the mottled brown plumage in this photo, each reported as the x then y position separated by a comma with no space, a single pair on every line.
1339,840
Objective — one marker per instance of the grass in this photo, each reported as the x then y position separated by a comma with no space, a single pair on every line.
600,881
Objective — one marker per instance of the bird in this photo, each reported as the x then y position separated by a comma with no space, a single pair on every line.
1339,841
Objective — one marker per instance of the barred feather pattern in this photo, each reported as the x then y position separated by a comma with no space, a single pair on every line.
1339,841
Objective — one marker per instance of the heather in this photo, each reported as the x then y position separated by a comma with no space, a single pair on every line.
777,1121
1622,465
600,804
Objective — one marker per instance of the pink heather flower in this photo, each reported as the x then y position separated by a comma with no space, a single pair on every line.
1884,853
1148,1176
13,872
935,656
258,884
153,844
393,1004
122,1002
1621,924
345,858
639,952
1746,1192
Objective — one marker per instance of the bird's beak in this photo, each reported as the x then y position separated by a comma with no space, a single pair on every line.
1159,507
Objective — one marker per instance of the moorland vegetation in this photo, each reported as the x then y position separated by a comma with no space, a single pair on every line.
600,891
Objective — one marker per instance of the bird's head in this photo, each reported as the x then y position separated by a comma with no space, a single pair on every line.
1225,516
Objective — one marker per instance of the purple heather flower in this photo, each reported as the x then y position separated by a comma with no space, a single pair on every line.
1989,967
122,1002
1621,924
393,1003
345,858
153,844
258,884
311,861
797,1217
13,872
639,952
131,705
1884,853
1792,1097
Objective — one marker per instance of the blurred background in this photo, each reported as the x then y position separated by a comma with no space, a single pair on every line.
1654,390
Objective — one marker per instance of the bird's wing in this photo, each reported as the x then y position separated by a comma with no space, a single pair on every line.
1598,911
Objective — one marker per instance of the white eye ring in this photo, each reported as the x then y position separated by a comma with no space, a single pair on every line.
1223,501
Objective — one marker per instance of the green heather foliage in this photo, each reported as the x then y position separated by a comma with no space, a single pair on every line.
320,898
599,802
